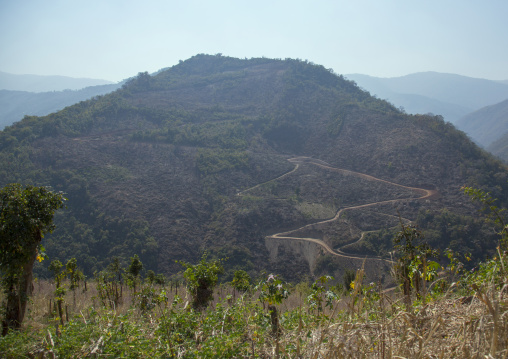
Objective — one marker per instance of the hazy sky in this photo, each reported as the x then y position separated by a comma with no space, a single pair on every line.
116,39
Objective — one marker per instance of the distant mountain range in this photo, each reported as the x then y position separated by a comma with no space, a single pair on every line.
455,97
452,96
487,124
33,95
279,165
14,105
38,83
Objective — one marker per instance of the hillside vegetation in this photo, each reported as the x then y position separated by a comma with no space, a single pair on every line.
461,314
199,157
14,105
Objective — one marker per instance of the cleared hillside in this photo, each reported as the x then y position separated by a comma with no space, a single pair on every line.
155,168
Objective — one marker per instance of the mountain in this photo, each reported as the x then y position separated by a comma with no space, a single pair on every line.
14,105
38,83
449,95
500,147
278,165
487,124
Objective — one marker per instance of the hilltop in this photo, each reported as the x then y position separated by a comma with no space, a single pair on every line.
227,155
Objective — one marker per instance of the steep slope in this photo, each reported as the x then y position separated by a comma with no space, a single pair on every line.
202,156
487,124
499,147
14,105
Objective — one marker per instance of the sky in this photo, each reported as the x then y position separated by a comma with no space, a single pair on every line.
116,39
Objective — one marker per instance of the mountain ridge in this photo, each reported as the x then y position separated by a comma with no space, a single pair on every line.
487,124
46,83
155,168
457,95
14,105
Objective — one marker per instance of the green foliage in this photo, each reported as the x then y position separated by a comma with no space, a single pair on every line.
349,277
241,281
272,290
160,279
461,233
150,276
59,274
26,214
57,268
200,125
335,126
135,267
160,326
109,284
496,214
210,162
109,290
133,272
491,272
413,267
320,294
75,275
201,279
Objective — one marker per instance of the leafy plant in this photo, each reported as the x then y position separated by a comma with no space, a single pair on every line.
201,279
273,291
496,214
133,272
413,267
26,214
57,268
241,281
109,284
319,295
349,277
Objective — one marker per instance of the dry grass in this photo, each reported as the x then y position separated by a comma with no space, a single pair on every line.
364,324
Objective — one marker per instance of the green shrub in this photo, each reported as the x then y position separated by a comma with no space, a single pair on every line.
201,279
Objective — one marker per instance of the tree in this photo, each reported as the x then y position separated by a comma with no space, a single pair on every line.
413,267
59,273
26,214
494,213
201,279
75,276
241,281
134,270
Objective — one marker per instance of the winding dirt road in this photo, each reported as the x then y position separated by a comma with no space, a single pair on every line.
425,194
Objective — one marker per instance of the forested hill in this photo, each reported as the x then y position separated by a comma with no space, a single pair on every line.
196,158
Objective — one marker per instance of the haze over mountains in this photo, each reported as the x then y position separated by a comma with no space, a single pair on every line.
475,106
459,99
487,124
22,95
38,83
267,162
449,95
